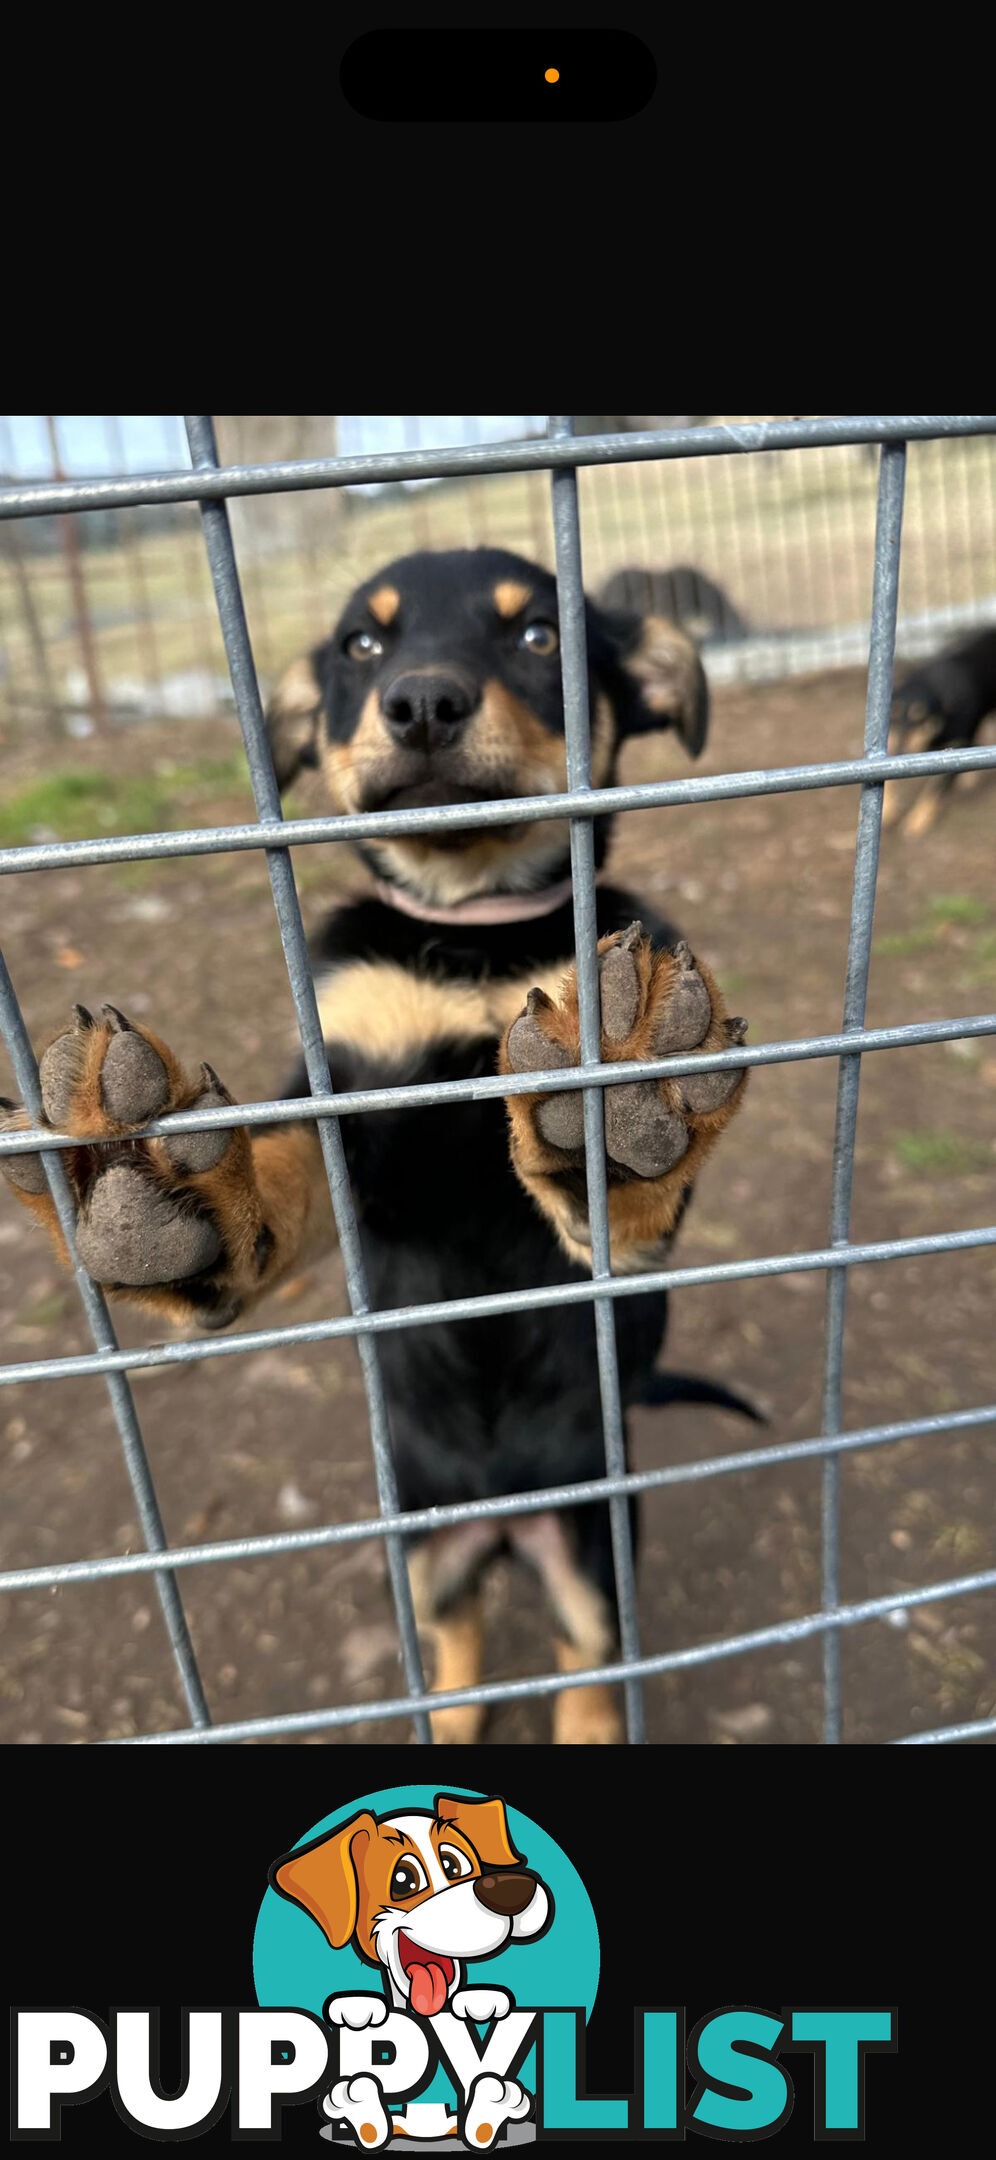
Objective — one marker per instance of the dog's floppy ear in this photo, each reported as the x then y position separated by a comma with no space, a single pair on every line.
663,675
322,1877
484,1823
292,720
670,682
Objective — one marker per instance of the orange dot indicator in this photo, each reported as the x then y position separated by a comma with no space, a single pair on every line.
552,75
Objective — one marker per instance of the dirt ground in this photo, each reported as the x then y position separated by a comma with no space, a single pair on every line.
270,1440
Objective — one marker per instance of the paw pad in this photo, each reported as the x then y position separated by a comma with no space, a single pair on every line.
61,1069
134,1083
196,1151
131,1232
620,986
640,1130
686,1016
709,1091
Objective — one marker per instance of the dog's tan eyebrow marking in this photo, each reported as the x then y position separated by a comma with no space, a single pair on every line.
510,597
384,604
396,1837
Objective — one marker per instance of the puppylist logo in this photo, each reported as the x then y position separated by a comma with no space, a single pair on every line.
425,1964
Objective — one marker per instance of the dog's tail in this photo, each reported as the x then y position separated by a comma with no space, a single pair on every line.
672,1387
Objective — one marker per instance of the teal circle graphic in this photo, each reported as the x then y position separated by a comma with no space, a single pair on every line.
294,1967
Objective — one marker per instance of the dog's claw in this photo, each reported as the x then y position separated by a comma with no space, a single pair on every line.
84,1017
117,1020
213,1081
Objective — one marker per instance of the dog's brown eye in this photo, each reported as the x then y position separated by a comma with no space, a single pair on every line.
541,638
408,1877
455,1865
363,646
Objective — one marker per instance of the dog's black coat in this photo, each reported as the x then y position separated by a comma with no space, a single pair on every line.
499,1405
952,694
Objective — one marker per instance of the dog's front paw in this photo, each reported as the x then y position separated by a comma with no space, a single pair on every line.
657,1132
482,2004
178,1215
492,2102
654,1005
356,2011
359,2102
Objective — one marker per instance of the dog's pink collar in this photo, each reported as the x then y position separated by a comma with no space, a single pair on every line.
486,908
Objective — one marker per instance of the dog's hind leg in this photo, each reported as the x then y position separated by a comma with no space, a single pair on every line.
927,809
586,1630
444,1573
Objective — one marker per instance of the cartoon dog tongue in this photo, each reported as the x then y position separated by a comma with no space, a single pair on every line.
428,1986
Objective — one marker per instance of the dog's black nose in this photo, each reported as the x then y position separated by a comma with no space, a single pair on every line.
507,1894
427,707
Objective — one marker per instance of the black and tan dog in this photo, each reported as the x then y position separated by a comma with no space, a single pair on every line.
442,684
687,597
941,706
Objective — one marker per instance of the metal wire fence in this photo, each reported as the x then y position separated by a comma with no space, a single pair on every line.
110,622
564,456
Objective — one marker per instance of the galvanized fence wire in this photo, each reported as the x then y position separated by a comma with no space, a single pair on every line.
561,454
885,600
235,630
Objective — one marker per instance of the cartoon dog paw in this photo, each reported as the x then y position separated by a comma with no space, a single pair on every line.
356,2011
359,2102
492,2102
481,2004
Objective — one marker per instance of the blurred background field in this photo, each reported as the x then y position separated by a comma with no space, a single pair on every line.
108,617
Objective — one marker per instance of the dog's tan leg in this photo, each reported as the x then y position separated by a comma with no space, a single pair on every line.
443,1573
586,1633
588,1716
458,1641
896,796
927,810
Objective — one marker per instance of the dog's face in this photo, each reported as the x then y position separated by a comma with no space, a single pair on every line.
419,1893
441,683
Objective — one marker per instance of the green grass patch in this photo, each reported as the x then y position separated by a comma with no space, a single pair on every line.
958,908
903,944
981,970
945,911
86,805
939,1154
